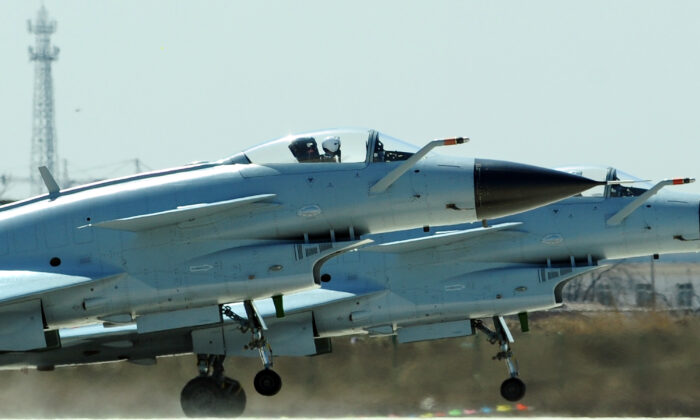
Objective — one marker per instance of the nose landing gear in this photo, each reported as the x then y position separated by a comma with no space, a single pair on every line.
267,382
512,389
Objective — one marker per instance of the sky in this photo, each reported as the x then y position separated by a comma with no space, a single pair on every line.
550,83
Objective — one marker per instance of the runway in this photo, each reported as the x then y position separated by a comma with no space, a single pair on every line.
574,364
401,418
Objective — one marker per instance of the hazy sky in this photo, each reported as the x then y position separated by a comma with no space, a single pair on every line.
542,82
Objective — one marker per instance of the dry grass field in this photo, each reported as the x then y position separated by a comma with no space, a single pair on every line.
574,363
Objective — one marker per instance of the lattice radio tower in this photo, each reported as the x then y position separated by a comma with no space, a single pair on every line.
43,126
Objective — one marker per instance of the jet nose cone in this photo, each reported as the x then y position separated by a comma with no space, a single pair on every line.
503,188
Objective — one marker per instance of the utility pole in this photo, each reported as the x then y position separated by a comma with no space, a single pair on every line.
43,150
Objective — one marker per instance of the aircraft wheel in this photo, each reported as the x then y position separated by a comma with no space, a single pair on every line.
513,389
267,382
233,398
200,397
205,397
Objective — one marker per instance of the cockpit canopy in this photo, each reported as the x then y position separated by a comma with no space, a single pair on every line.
329,146
606,173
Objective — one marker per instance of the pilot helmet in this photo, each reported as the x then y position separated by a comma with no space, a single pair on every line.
331,145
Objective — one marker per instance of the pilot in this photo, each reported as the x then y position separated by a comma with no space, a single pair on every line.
331,147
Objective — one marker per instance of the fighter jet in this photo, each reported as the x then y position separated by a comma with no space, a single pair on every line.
165,249
417,286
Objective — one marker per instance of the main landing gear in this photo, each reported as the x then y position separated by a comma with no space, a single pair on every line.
512,389
212,394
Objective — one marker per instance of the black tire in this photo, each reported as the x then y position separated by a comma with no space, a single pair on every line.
200,397
234,398
267,382
205,397
513,389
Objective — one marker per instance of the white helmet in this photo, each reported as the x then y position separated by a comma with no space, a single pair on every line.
331,144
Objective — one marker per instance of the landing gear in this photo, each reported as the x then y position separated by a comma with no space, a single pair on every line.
212,394
267,382
512,389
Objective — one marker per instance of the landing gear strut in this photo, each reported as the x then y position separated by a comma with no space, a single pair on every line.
267,382
512,389
212,394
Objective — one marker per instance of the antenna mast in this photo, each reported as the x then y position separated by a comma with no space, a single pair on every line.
43,151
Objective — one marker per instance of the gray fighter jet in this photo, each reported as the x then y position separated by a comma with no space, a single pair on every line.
416,285
166,249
